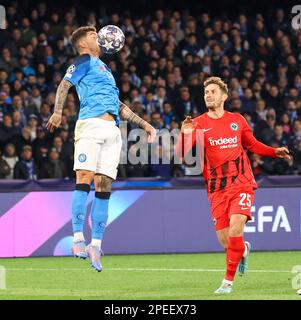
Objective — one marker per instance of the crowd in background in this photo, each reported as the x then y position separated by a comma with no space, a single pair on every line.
160,73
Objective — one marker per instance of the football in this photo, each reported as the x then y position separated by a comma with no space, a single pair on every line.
111,39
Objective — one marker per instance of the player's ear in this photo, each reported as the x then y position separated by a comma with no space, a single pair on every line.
81,43
224,97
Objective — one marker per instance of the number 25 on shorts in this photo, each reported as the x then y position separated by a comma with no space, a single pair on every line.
245,201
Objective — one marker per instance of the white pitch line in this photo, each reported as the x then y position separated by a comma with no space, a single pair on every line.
144,270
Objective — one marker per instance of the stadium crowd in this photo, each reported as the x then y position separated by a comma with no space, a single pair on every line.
159,72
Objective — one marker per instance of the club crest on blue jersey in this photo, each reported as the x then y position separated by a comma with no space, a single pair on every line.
234,126
82,157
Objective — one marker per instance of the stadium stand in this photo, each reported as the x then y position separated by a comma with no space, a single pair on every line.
160,71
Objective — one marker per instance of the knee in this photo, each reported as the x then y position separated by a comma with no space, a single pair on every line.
85,177
236,231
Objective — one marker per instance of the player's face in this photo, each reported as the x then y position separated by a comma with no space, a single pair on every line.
91,41
214,96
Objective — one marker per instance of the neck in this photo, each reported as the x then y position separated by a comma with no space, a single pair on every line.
90,52
216,113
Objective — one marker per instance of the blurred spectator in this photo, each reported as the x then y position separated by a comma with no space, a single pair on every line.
184,106
45,113
7,131
236,105
273,98
21,140
268,131
53,167
161,98
26,168
17,122
260,166
40,146
168,115
261,111
27,32
7,62
285,121
11,158
151,104
280,137
248,102
156,120
4,168
36,98
32,125
290,167
17,105
296,134
25,66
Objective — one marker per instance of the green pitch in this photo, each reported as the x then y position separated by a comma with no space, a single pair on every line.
176,276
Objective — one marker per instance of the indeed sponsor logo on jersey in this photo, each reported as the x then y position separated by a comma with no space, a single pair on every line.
224,142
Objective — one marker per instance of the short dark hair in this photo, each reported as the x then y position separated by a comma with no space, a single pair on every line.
79,33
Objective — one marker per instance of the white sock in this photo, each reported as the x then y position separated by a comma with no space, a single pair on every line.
246,251
228,282
96,243
78,236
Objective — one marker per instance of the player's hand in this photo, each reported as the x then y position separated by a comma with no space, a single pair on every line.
54,122
283,153
151,133
187,126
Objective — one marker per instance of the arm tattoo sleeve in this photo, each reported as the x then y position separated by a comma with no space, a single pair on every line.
127,114
61,95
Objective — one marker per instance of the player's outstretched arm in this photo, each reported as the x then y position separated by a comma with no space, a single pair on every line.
127,114
60,98
255,146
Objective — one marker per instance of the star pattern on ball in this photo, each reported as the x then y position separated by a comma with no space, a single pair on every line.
108,45
111,39
119,37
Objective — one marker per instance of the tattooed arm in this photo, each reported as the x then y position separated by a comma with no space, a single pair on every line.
61,95
127,114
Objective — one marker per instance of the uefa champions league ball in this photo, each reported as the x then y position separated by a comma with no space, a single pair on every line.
110,39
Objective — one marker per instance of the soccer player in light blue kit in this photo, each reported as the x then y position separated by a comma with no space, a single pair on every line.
97,138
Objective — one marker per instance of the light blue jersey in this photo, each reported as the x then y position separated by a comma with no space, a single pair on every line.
95,86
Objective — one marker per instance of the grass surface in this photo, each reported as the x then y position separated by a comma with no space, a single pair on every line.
173,276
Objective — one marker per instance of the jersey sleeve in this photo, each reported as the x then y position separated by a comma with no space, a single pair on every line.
252,144
78,69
